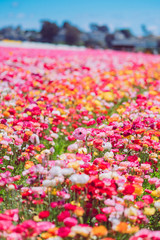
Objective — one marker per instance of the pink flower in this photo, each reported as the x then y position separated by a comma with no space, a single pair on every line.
80,133
53,204
63,232
70,222
101,218
44,226
147,199
63,215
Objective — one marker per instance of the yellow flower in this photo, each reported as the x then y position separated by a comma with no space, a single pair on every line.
121,110
37,219
95,153
155,193
54,192
76,203
149,211
155,138
108,96
74,165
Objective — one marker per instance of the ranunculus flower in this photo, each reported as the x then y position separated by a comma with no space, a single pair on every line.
101,218
70,222
63,215
44,214
129,189
63,232
147,199
80,133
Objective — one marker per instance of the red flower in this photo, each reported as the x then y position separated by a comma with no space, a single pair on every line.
44,214
129,189
69,206
132,158
97,142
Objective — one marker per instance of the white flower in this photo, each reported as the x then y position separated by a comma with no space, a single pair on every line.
55,171
82,150
108,155
131,211
157,205
79,179
81,230
47,183
59,179
54,135
129,198
67,171
59,163
105,175
107,145
35,139
11,187
73,147
46,152
55,238
56,112
6,158
114,222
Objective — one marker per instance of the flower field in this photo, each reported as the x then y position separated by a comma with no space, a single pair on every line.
79,145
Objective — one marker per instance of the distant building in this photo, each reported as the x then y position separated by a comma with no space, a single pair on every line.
136,44
61,36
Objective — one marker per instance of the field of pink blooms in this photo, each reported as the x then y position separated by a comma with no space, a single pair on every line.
79,145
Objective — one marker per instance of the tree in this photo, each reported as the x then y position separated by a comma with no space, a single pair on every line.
66,25
127,33
72,35
93,27
145,31
48,31
101,28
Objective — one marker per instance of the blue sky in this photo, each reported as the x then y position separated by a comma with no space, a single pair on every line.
114,13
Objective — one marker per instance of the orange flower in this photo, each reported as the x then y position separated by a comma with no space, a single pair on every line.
29,133
28,164
138,189
122,227
79,211
53,231
99,231
133,230
46,235
108,238
6,114
2,126
139,131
